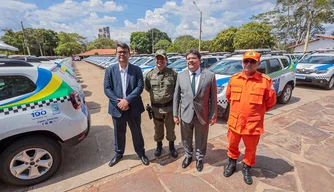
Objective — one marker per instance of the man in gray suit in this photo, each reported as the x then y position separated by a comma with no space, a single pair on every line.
196,92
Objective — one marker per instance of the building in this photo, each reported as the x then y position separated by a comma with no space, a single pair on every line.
104,33
321,42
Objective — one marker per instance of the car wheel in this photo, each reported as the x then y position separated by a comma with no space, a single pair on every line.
226,114
286,94
330,84
30,161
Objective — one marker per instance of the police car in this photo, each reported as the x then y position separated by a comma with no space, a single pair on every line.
279,68
316,69
39,111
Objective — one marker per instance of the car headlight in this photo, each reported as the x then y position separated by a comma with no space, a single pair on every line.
220,89
321,71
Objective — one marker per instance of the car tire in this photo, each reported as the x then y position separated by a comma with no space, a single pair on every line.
226,114
285,97
11,160
330,83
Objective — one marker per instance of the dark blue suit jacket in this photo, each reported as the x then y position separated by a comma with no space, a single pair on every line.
113,90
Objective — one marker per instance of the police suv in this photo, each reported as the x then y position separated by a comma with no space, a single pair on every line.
279,68
41,107
316,69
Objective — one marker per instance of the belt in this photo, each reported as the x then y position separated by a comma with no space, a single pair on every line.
169,103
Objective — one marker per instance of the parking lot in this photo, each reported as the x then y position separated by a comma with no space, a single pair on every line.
88,161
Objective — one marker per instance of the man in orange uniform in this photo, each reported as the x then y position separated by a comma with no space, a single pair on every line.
250,94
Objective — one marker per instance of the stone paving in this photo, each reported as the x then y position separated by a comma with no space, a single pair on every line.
295,154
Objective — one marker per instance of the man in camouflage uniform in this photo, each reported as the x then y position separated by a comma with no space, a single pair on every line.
160,83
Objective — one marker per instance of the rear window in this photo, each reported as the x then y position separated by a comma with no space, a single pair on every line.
285,62
13,86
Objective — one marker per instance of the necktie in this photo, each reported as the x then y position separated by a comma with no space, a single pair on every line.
193,83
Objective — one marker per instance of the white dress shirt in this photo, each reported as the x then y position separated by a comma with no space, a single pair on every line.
197,78
123,73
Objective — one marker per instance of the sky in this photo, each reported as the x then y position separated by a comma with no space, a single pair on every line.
175,17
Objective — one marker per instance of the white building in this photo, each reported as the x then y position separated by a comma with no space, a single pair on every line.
322,42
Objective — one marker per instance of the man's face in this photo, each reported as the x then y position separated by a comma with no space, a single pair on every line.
250,65
122,54
193,62
160,62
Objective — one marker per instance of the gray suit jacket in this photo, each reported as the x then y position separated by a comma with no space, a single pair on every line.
204,103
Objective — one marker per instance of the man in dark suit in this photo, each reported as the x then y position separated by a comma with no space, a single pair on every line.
123,84
196,94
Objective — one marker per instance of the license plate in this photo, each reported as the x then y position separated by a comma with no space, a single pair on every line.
300,77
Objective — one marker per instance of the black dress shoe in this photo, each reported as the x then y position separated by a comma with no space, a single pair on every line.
230,168
199,165
186,162
157,152
115,160
144,160
247,176
172,149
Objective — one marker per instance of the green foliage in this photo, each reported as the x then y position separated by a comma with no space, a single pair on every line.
253,35
14,39
224,40
69,43
157,36
96,53
290,18
186,42
102,43
162,44
174,48
139,42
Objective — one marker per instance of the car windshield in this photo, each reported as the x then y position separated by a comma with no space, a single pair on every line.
141,61
227,67
181,63
151,63
321,59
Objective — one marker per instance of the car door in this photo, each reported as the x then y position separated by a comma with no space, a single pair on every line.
274,68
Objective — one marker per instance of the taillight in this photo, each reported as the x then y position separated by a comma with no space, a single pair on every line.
75,100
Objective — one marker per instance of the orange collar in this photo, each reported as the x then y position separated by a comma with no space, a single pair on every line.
257,75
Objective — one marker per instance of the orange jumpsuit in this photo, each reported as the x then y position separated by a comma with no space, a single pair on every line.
249,99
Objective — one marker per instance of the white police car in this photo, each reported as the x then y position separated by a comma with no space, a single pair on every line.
38,112
316,69
277,67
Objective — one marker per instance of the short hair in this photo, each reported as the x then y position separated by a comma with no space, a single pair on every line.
124,46
195,52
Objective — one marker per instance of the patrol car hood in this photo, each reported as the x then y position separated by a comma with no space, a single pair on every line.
143,68
222,79
314,66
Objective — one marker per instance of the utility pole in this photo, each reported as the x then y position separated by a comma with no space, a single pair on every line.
24,38
200,27
152,42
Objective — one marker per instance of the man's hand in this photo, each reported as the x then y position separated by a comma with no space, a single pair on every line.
213,121
177,120
123,104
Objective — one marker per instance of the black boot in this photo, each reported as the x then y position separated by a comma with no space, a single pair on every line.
230,168
157,152
247,176
172,149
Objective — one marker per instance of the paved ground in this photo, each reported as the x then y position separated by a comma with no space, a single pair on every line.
280,151
295,154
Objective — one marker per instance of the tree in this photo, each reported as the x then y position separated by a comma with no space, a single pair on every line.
14,39
174,48
253,35
102,43
224,40
291,19
186,42
139,42
162,44
69,43
157,36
